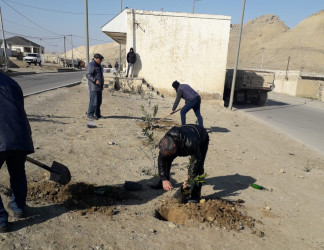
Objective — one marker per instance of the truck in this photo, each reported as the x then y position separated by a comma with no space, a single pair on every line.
250,86
33,58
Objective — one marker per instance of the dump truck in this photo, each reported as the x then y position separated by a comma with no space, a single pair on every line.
250,86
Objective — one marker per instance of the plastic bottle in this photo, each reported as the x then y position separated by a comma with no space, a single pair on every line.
256,186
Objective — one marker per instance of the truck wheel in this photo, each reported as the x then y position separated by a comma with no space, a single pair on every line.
40,63
262,99
35,63
29,63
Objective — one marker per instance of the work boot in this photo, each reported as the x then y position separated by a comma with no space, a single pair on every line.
4,228
18,213
195,194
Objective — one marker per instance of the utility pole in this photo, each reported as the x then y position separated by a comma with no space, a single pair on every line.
287,68
40,45
193,6
119,64
86,30
237,57
5,43
64,54
262,57
72,52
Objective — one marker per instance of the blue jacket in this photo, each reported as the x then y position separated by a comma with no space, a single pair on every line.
186,92
94,73
15,132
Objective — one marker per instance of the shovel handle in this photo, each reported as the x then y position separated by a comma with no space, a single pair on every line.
42,165
169,115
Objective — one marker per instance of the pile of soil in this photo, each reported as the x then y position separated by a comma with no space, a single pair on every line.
78,195
220,213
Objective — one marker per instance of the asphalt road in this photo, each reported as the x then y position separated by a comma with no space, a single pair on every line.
300,118
36,83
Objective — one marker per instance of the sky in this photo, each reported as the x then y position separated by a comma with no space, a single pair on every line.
46,22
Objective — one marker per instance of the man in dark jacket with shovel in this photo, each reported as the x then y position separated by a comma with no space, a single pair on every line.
186,140
192,99
15,143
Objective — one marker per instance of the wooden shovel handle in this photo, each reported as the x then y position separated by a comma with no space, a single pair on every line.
169,115
42,165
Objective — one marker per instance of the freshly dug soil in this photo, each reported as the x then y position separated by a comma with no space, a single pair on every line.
220,213
78,195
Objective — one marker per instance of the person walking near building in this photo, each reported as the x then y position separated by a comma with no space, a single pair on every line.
95,81
192,101
182,141
131,60
15,143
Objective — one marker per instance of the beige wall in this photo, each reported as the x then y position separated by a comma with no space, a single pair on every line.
293,84
286,84
307,88
190,48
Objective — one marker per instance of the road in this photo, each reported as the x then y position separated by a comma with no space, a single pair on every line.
36,83
300,118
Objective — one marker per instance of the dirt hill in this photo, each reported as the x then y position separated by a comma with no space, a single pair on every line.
110,52
268,35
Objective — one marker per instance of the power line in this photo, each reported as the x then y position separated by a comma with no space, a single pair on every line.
57,11
30,20
34,37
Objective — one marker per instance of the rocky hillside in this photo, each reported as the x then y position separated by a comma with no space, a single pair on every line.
268,35
264,37
110,52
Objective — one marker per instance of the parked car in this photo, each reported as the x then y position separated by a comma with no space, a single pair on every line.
33,58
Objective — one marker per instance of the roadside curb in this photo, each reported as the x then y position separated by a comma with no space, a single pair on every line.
63,86
20,73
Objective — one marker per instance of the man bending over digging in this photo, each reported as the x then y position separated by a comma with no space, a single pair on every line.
182,141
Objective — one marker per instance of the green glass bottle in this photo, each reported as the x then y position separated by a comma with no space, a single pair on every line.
256,186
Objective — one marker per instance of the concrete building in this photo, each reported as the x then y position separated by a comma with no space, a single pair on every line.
190,48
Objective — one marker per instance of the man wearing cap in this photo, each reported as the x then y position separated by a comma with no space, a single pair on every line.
95,81
192,99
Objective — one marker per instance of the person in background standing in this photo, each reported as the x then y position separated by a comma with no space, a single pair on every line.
131,60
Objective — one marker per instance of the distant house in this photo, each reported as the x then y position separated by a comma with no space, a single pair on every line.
18,44
190,48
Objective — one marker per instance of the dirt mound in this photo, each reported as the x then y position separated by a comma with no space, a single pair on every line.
218,213
267,43
78,196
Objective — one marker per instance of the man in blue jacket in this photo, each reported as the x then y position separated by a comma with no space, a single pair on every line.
192,99
95,81
15,143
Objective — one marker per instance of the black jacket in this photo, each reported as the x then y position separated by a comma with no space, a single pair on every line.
131,57
15,132
190,139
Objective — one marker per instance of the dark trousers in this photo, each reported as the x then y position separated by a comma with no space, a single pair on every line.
199,168
15,161
94,104
195,105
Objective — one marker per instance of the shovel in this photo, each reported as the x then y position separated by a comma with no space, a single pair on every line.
167,116
59,173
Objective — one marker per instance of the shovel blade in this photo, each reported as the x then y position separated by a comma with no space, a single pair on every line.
62,175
